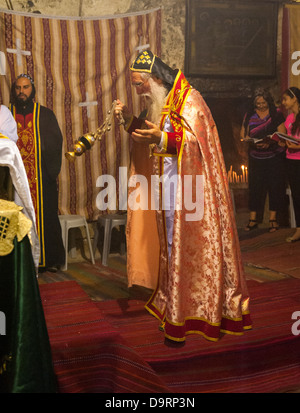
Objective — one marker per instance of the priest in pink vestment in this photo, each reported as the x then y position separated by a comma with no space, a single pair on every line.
181,233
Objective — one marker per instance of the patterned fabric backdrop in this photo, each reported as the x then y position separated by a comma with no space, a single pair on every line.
79,66
291,46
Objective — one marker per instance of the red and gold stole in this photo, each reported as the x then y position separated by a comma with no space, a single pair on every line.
29,145
174,108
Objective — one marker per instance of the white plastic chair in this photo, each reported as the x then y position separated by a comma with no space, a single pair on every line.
108,221
74,221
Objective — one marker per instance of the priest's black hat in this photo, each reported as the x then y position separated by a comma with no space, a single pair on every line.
148,62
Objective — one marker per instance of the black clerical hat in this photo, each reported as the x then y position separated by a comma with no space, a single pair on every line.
148,62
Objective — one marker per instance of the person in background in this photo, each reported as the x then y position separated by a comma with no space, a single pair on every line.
291,102
13,178
40,145
190,252
266,158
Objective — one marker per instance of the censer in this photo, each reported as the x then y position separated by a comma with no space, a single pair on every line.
88,140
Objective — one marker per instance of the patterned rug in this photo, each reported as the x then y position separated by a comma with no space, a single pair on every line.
116,346
99,282
265,359
89,354
268,257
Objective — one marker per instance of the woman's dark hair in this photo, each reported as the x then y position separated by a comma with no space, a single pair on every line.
268,98
294,92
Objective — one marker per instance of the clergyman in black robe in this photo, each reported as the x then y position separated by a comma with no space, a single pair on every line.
40,145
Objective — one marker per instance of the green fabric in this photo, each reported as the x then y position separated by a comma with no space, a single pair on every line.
30,369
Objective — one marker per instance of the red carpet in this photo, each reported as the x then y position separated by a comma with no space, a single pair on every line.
89,354
115,346
265,359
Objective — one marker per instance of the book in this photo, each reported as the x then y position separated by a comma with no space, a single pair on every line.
253,140
279,135
275,137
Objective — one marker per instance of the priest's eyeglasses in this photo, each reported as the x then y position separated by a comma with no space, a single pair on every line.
139,84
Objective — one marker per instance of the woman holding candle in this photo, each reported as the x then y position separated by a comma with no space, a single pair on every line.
291,102
266,158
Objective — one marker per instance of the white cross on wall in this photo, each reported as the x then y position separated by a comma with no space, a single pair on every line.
87,104
19,52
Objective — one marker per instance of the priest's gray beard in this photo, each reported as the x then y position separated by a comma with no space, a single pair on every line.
155,101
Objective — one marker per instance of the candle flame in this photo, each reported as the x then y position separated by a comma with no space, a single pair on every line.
234,178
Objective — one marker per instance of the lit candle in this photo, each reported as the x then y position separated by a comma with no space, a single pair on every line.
230,174
243,172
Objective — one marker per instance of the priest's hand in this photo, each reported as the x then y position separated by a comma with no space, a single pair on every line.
122,111
149,136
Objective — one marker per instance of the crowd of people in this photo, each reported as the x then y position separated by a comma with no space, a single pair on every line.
273,164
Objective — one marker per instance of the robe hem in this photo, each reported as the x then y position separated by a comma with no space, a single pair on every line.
211,331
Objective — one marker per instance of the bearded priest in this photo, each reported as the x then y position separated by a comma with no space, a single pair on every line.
182,240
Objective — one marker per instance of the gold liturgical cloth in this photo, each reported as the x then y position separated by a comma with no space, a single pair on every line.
13,223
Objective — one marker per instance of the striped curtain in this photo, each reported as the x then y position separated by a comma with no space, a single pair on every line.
290,46
80,66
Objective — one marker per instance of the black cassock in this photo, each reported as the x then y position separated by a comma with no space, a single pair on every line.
49,136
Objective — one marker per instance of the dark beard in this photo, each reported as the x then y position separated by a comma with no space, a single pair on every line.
21,103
